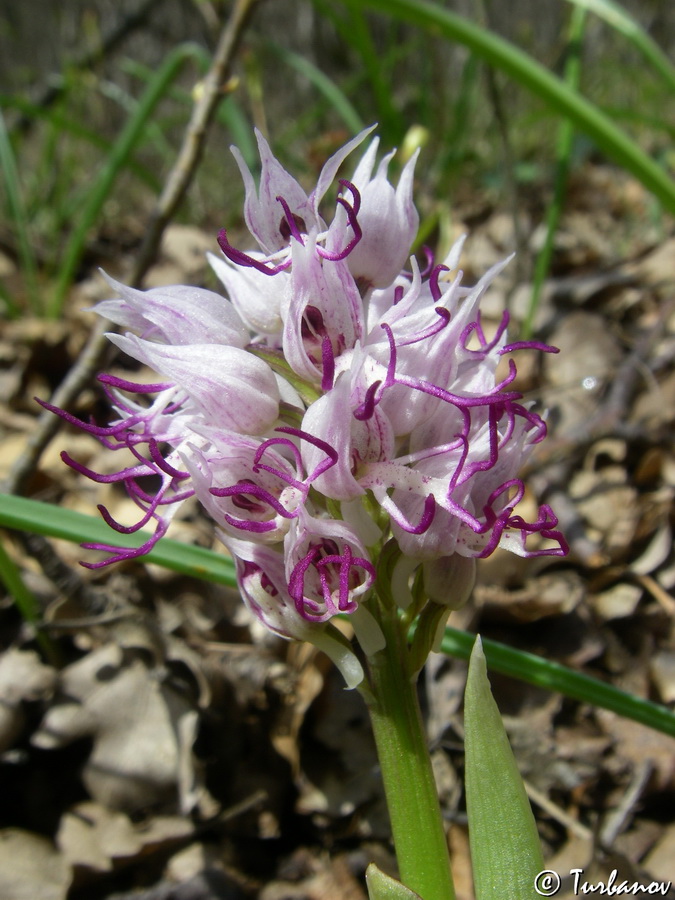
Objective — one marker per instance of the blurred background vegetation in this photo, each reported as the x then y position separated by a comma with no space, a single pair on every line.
96,95
545,126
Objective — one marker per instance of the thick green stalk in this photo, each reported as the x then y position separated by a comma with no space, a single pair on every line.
414,810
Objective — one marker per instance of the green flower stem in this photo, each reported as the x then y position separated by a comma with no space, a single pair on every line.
414,810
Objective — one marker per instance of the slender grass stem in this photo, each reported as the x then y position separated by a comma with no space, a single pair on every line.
620,21
555,677
25,601
115,161
563,155
44,518
69,525
586,116
19,218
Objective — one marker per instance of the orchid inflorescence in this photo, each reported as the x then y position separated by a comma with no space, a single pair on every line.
335,400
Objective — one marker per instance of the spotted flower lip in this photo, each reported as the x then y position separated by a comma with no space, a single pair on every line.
327,568
341,395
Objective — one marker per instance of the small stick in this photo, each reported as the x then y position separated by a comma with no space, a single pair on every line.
618,819
96,350
50,94
556,812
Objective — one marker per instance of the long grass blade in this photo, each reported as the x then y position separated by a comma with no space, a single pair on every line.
117,159
539,81
360,37
333,94
626,25
25,601
44,518
556,677
563,155
66,125
19,218
52,521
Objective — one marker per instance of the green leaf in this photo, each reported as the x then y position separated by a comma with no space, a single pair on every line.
519,66
555,677
384,887
18,216
564,146
505,851
116,160
328,88
198,562
621,22
50,520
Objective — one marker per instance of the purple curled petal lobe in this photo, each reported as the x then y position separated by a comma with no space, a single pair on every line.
331,453
529,345
293,221
96,430
133,387
434,286
124,529
404,523
314,610
250,525
121,554
243,259
357,233
122,475
366,410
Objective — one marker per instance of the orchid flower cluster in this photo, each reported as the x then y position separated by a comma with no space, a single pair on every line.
340,396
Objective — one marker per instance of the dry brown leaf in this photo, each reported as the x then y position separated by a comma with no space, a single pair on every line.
637,743
330,879
22,677
656,268
659,861
142,730
662,670
617,602
551,594
608,504
460,854
183,256
95,839
575,853
31,868
656,553
589,355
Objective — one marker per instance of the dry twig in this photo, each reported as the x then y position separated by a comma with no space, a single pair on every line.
180,177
